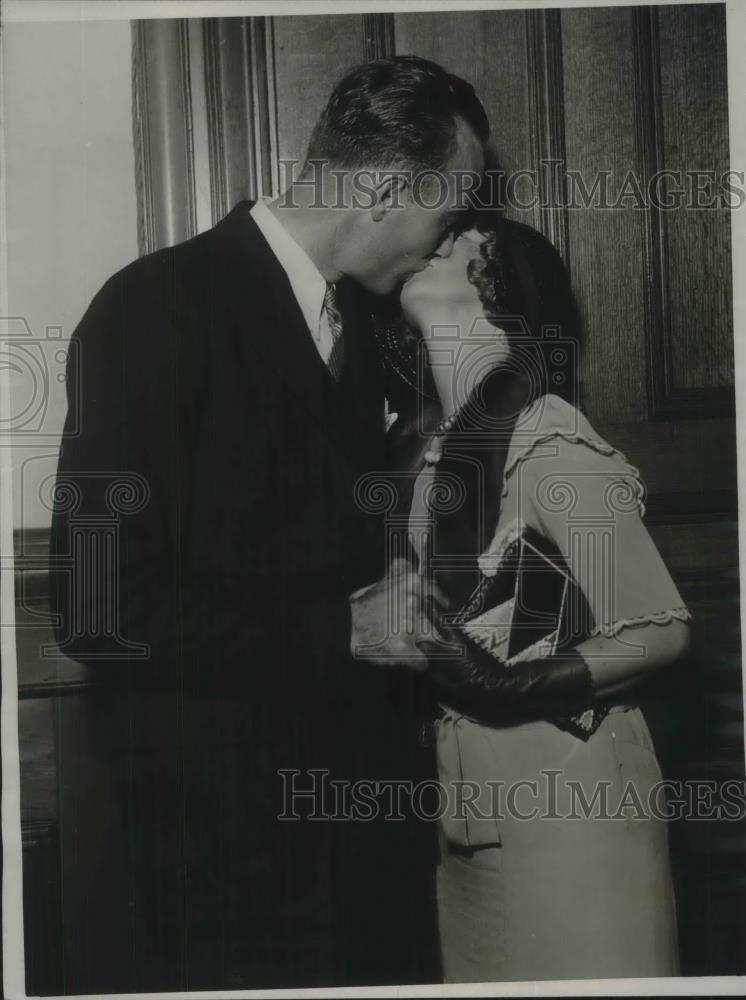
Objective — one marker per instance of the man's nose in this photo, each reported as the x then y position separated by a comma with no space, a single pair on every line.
446,247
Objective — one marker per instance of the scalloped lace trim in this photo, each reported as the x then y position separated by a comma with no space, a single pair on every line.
681,614
574,437
489,561
539,650
492,627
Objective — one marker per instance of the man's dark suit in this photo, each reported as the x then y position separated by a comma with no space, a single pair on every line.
199,375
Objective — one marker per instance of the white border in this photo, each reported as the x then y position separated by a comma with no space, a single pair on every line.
12,893
112,10
10,802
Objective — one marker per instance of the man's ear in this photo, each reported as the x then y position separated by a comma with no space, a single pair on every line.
389,192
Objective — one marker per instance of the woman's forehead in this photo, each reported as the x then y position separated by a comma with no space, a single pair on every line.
468,243
474,236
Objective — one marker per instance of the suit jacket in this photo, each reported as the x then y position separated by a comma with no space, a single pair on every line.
240,539
198,382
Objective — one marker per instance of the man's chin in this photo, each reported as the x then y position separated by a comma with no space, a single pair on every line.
380,287
387,286
416,272
402,282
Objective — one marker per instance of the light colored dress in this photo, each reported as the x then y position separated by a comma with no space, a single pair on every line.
563,893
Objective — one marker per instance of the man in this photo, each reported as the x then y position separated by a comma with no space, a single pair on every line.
233,382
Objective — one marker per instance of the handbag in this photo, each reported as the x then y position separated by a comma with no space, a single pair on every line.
530,607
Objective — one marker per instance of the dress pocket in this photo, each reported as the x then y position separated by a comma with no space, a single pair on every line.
630,727
635,753
465,765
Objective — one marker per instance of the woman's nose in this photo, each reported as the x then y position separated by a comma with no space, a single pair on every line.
446,247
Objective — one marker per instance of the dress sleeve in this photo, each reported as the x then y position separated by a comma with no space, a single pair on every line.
586,498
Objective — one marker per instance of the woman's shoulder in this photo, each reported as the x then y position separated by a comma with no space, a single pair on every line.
552,413
559,439
551,420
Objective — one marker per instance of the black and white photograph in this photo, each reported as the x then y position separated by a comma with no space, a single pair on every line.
369,509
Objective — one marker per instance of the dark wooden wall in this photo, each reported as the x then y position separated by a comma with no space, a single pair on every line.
218,104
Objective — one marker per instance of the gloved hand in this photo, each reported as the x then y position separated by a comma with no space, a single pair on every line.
488,690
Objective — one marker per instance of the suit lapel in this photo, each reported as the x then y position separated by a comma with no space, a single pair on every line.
361,388
260,302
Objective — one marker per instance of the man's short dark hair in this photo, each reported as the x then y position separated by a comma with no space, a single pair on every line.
401,112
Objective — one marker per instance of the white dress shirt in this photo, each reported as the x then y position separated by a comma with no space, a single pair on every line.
306,281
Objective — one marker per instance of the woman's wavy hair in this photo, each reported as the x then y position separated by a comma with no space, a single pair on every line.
525,291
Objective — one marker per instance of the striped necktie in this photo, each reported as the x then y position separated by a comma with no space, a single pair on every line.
334,318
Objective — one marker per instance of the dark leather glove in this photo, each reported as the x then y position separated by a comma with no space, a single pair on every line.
487,690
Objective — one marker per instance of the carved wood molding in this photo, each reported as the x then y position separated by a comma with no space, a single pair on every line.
260,43
146,236
204,122
185,88
665,400
241,110
214,93
162,122
547,124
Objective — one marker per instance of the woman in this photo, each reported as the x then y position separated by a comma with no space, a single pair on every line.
553,865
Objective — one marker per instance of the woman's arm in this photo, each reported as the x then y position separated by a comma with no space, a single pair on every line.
588,504
474,682
613,672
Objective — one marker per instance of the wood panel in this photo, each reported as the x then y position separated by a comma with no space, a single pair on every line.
42,889
708,552
664,252
694,88
605,244
695,712
311,53
379,36
489,49
547,107
42,916
689,466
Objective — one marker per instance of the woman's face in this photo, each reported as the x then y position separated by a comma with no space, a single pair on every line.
442,291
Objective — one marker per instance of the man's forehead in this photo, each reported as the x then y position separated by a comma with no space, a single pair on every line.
469,152
467,164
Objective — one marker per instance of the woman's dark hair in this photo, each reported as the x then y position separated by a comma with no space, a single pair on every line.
525,291
399,112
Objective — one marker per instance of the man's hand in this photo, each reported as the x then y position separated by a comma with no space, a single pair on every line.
448,656
391,616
